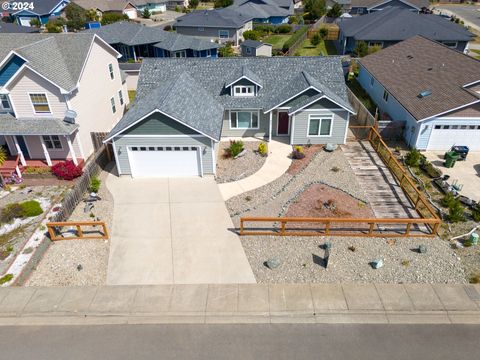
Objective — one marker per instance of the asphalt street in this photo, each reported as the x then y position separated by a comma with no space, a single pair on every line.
275,341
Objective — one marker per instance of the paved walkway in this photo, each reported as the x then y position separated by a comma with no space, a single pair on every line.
276,165
173,231
383,192
244,303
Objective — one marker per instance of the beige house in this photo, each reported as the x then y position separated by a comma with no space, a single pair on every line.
255,48
55,90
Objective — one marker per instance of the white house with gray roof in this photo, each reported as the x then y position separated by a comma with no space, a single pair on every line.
184,107
55,90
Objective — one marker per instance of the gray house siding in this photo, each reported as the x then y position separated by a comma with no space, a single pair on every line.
393,3
122,142
159,124
207,32
300,127
261,132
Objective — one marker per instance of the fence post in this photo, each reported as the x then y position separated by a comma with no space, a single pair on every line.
327,228
79,231
51,232
409,225
370,231
282,231
241,226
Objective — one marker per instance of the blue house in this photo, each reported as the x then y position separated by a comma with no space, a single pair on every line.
431,89
136,41
42,10
265,11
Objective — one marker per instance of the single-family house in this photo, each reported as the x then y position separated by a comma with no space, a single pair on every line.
265,11
135,41
255,48
222,25
55,90
433,89
392,25
42,10
126,7
13,28
184,107
362,7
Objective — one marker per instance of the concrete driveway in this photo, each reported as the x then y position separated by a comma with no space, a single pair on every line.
466,172
173,231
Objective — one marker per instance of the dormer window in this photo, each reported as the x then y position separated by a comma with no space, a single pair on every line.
244,90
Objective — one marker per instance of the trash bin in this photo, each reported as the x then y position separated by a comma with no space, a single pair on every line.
474,239
450,158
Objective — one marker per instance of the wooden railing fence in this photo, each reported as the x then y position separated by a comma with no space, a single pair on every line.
80,232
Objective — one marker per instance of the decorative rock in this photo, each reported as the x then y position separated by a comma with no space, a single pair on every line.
273,263
79,267
377,263
327,245
330,147
422,249
243,153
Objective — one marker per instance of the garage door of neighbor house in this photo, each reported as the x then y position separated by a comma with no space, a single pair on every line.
448,135
164,161
131,13
25,21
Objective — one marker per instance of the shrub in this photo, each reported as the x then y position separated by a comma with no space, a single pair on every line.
263,149
294,38
283,29
361,49
413,158
146,13
6,278
315,39
112,17
226,51
3,155
447,200
235,148
297,153
455,212
168,28
31,208
37,170
95,183
264,29
67,170
476,213
293,20
431,170
251,35
11,212
335,11
35,22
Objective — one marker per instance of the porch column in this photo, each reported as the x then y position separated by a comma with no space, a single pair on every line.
270,127
80,147
72,151
134,54
19,151
45,151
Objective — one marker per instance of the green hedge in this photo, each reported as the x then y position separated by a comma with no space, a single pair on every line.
294,38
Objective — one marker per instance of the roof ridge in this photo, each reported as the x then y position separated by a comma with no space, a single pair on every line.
48,37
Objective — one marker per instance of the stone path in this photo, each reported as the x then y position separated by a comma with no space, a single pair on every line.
382,190
241,303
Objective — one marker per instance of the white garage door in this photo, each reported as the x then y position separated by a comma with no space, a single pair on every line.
164,161
131,13
443,137
25,21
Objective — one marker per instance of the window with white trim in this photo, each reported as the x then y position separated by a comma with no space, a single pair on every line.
52,142
112,102
4,103
110,70
244,90
244,119
450,44
385,95
223,34
40,103
120,96
320,125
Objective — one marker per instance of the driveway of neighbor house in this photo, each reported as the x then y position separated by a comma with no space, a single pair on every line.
173,231
466,172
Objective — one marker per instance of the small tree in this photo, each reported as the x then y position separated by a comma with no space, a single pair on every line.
315,39
146,13
251,35
193,4
226,51
335,11
35,22
55,26
361,49
455,212
315,8
92,15
413,158
76,16
111,17
373,49
323,32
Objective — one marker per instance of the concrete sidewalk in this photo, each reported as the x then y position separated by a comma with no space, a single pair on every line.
276,164
244,303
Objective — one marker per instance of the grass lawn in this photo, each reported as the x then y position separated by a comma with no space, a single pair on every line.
362,95
477,53
277,40
323,48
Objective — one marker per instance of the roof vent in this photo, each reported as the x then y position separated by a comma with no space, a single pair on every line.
409,57
430,69
70,116
424,94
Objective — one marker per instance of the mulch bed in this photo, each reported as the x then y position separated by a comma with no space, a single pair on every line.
298,164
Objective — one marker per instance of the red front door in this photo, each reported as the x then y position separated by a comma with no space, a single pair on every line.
283,123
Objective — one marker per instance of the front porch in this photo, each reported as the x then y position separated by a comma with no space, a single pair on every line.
13,165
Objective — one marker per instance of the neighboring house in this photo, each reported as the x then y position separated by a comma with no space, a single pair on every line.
361,7
255,48
392,25
223,25
184,107
12,28
42,10
110,6
265,11
55,90
136,41
154,6
433,89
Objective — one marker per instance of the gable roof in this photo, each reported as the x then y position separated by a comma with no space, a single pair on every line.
131,34
57,57
254,43
395,24
10,125
419,4
263,9
104,5
41,7
225,18
418,64
193,90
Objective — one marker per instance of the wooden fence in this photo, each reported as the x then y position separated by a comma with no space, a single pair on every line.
80,232
99,160
363,117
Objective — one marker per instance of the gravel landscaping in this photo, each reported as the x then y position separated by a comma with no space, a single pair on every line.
302,260
229,169
78,262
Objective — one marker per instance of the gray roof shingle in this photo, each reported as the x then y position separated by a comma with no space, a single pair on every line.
396,24
6,28
34,126
254,44
131,34
225,18
39,7
419,4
